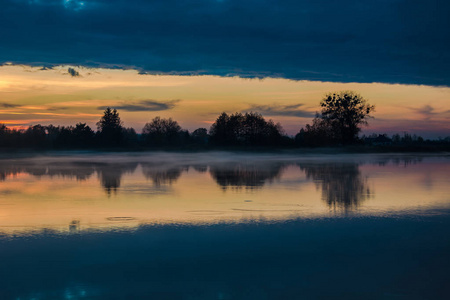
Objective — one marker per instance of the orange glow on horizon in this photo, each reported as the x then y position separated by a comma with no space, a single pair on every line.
194,101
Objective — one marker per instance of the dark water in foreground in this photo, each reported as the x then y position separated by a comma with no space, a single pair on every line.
222,226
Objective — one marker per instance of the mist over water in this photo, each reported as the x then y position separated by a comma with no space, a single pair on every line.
223,225
99,191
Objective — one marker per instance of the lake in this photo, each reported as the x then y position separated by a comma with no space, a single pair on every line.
222,225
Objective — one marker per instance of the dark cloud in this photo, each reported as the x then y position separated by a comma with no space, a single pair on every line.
428,111
72,72
282,110
57,108
8,105
145,105
393,41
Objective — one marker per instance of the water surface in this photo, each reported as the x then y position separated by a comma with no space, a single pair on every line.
224,226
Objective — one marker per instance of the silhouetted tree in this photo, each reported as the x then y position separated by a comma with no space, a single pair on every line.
83,135
3,135
345,112
257,131
339,122
35,136
220,131
320,133
200,136
110,128
408,140
161,132
61,137
249,129
130,137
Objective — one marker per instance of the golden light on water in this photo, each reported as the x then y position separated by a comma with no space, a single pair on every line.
45,194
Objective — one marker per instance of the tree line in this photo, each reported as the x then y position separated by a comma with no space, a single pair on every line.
338,124
238,129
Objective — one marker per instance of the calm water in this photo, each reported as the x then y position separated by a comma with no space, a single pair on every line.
224,226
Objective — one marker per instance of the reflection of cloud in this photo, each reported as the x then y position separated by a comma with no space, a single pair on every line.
146,105
282,110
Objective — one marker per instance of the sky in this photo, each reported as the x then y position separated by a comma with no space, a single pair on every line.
64,61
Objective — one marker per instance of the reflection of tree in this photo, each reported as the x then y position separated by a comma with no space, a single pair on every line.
9,170
70,170
74,226
342,184
400,160
200,168
161,175
251,176
110,175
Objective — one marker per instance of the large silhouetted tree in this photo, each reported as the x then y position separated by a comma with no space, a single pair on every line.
110,128
343,114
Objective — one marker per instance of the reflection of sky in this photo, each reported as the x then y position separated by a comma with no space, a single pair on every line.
346,258
75,195
31,96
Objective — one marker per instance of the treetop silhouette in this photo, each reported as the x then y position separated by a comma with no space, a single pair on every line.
245,129
162,132
110,128
345,112
342,115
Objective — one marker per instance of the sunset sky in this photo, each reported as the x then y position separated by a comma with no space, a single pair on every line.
63,62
